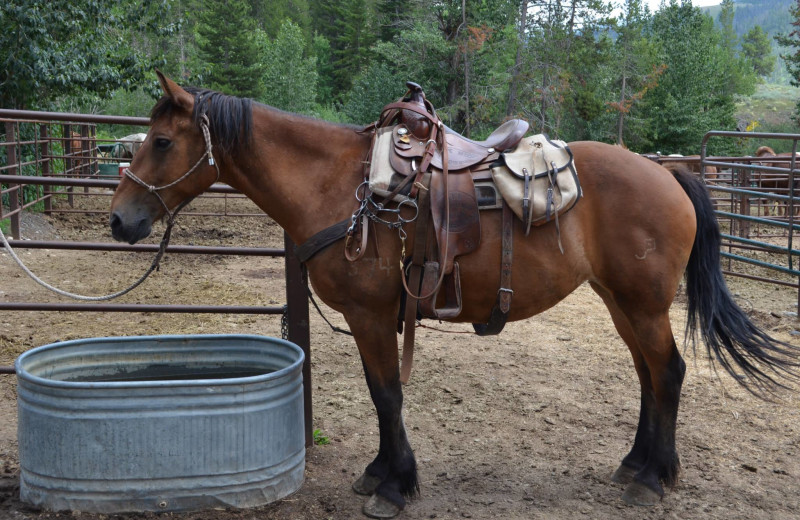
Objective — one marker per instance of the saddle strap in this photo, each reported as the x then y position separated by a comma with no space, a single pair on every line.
499,315
321,240
415,271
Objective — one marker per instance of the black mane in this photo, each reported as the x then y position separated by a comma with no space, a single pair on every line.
230,118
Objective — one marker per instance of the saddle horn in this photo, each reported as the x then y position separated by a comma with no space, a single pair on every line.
418,125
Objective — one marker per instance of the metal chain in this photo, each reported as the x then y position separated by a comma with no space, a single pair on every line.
285,322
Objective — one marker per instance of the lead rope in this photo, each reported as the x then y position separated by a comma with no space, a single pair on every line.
171,215
153,267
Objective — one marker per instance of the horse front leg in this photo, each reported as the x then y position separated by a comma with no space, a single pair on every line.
392,476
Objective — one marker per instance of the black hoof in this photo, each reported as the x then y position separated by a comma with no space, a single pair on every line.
637,494
366,484
379,507
623,475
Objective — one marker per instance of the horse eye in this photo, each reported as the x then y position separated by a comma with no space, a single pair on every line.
162,144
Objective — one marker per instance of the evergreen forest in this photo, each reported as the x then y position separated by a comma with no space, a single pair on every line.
575,69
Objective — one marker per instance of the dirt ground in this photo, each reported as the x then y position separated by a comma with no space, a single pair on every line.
527,425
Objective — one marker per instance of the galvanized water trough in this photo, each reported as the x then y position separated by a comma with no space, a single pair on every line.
160,423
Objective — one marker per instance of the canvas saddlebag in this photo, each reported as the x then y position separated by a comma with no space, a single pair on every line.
538,179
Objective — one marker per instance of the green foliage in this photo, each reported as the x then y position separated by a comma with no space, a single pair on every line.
791,42
634,69
742,78
325,69
757,49
694,94
290,78
653,81
373,89
75,48
271,15
423,55
229,43
320,439
349,27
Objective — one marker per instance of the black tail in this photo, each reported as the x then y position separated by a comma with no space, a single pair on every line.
757,361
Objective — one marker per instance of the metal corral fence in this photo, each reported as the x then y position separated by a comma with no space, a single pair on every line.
755,199
46,154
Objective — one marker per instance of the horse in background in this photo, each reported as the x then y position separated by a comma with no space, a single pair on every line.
777,183
128,146
691,163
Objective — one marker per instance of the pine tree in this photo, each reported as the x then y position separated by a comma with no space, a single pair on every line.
757,50
228,41
270,15
349,27
742,79
392,17
693,95
791,41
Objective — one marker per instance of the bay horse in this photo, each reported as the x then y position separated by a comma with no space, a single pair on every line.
635,232
777,183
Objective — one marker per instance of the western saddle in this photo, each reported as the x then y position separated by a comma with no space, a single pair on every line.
439,168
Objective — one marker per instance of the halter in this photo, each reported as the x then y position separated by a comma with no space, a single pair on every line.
204,122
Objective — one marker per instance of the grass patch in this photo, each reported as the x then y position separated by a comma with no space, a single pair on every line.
771,105
5,226
320,439
770,109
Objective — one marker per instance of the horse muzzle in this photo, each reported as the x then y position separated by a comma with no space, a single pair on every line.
129,229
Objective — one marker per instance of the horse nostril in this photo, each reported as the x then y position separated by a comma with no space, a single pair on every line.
115,221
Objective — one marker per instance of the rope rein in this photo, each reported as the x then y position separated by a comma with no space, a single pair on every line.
171,216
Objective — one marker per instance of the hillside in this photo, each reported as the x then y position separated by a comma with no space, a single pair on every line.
772,107
773,17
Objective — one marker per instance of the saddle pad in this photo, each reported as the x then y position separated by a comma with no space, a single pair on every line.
383,178
395,157
538,179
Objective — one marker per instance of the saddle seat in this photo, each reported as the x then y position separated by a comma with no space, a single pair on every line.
463,153
504,137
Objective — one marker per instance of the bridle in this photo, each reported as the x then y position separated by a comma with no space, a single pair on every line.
204,122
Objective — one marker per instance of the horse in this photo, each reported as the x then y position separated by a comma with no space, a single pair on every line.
775,182
692,163
632,236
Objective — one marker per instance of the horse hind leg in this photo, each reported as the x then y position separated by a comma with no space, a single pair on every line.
653,459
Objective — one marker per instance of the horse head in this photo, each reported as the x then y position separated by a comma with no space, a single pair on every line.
173,166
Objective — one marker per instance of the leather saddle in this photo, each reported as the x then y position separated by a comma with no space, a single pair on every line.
420,145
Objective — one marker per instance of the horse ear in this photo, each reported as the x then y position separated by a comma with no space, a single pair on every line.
179,96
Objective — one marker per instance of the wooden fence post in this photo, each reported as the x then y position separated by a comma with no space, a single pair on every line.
298,325
13,194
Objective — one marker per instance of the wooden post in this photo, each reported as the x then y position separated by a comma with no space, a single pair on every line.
45,152
14,189
69,163
299,332
84,155
744,202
